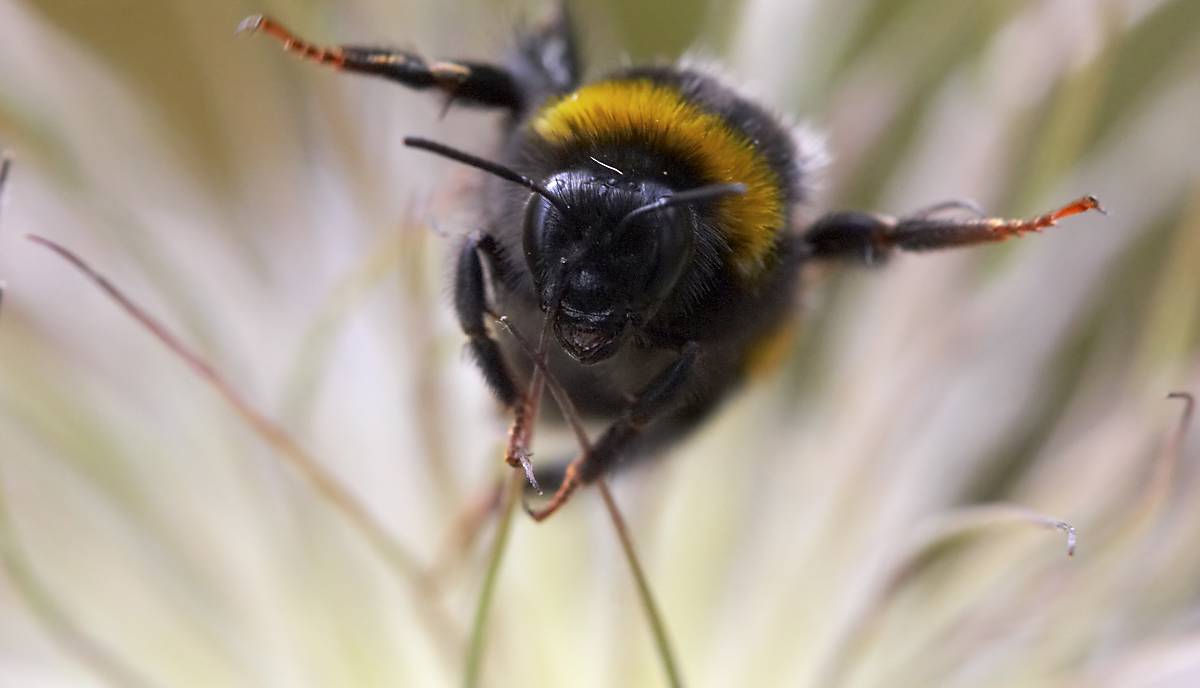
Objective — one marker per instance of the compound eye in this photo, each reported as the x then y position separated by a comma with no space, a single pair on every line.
535,220
674,238
542,238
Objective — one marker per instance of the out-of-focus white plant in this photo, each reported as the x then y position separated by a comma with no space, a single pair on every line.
828,527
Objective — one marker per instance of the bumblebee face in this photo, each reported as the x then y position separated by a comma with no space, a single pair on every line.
598,266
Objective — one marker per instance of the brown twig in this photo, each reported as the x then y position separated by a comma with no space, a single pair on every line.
322,482
952,526
1165,465
54,619
658,627
1170,457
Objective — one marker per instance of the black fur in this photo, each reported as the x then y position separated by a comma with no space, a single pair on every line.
470,303
725,317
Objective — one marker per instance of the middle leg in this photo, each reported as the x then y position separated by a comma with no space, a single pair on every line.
871,238
659,397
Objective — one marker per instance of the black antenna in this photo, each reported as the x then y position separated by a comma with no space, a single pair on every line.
702,193
488,166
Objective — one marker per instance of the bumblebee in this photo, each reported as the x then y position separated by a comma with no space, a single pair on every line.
649,218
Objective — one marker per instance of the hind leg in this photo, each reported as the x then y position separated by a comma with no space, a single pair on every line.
473,83
871,238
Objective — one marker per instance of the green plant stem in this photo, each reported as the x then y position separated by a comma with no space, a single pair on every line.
478,638
662,641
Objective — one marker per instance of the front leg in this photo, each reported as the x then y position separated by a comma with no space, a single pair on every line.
871,238
660,396
474,83
470,303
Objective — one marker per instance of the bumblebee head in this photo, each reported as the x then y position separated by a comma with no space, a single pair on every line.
603,253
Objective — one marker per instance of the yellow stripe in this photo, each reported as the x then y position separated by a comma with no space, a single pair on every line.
633,111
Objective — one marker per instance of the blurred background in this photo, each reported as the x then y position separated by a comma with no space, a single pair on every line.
829,527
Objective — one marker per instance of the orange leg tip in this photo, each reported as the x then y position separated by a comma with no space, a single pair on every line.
561,496
1076,207
539,515
1082,205
529,510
